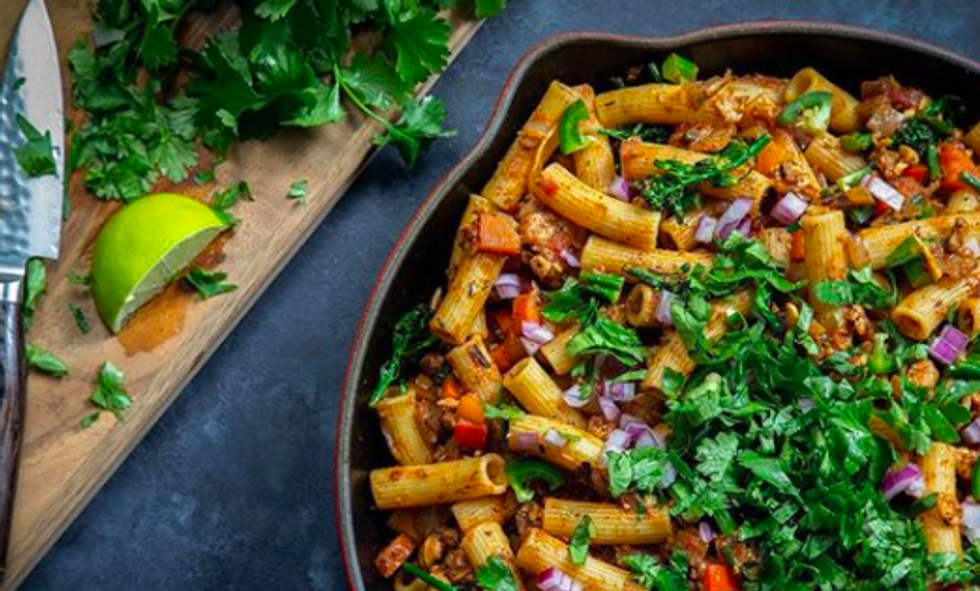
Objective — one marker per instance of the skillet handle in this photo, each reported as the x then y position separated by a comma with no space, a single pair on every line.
13,378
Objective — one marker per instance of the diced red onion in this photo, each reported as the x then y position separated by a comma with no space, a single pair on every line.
530,346
971,433
971,520
569,257
620,189
670,475
898,481
705,231
508,286
972,246
735,213
536,333
609,408
883,192
617,442
552,579
744,228
646,439
525,441
662,312
955,337
622,391
573,397
944,351
636,429
552,437
628,419
789,209
706,532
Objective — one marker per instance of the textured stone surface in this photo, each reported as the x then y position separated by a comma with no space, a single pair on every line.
233,488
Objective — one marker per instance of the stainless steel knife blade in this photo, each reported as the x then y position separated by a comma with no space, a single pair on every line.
30,208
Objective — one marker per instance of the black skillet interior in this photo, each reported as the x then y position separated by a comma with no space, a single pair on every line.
417,266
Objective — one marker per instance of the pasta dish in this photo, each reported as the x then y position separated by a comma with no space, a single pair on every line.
699,334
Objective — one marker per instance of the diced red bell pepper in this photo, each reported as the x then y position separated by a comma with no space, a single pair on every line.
469,434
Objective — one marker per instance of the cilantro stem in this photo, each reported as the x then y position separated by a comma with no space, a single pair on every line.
427,578
971,179
349,92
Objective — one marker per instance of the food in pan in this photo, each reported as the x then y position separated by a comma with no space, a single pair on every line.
699,334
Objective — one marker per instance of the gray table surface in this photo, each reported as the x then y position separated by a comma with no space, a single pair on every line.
233,489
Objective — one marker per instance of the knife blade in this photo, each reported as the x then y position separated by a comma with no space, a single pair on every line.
30,221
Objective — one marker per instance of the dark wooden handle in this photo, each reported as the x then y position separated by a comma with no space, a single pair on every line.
13,381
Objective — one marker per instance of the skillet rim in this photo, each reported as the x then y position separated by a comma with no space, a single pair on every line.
344,518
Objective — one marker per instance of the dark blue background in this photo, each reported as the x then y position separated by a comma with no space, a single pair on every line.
233,489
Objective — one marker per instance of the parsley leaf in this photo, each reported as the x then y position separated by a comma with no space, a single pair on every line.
298,191
45,361
607,336
35,284
227,198
643,468
421,45
649,572
109,395
411,339
494,575
578,545
209,283
81,320
36,155
859,288
420,124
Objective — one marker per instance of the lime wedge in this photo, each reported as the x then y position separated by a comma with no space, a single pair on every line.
143,247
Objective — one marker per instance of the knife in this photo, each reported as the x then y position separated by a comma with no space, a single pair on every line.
30,221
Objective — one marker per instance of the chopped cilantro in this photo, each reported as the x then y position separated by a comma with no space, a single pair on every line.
36,154
654,575
507,412
209,283
578,545
35,284
859,288
45,361
411,338
494,575
109,394
298,190
81,320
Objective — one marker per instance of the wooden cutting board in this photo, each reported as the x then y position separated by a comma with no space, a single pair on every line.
63,465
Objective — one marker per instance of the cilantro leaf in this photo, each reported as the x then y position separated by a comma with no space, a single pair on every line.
209,283
227,198
109,395
274,9
81,320
45,361
411,338
36,155
578,545
494,575
607,336
859,288
35,284
643,468
649,572
298,190
374,81
420,124
421,45
489,8
507,412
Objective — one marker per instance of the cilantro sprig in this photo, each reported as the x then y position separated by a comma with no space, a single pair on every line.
411,338
494,575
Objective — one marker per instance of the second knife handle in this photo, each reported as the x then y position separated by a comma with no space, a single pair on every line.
13,382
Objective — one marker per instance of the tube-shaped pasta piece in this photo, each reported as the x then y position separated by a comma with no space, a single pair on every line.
968,316
606,256
613,524
778,242
582,447
476,370
843,116
486,541
433,484
461,249
639,161
826,155
480,328
466,296
672,352
509,182
496,509
680,233
962,201
540,551
539,394
972,138
595,164
881,241
825,257
401,429
940,524
607,216
657,104
641,306
556,352
923,310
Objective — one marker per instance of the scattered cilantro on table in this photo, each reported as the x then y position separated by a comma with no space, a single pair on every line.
109,395
36,155
45,361
81,320
35,284
209,283
298,191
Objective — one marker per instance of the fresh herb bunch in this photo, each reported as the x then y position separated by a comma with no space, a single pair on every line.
288,65
674,190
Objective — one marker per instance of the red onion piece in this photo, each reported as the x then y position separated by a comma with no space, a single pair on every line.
536,333
955,337
552,579
705,232
971,520
573,397
971,433
943,351
628,419
637,429
662,312
609,409
525,441
789,209
508,286
735,213
706,532
570,259
645,440
552,437
530,346
620,189
884,192
744,228
622,391
897,481
617,442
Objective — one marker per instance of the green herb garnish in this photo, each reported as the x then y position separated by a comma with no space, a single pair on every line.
45,361
859,288
494,575
679,70
570,136
81,320
507,412
35,284
109,395
810,111
411,338
36,154
578,545
298,190
209,283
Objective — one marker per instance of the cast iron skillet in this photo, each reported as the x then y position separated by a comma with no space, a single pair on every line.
416,266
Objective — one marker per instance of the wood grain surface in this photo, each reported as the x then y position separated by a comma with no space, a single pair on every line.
63,465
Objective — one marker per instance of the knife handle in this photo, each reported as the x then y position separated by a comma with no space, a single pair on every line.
13,381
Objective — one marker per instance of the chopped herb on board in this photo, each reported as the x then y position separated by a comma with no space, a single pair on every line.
36,154
109,395
35,284
45,361
81,320
298,191
209,283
